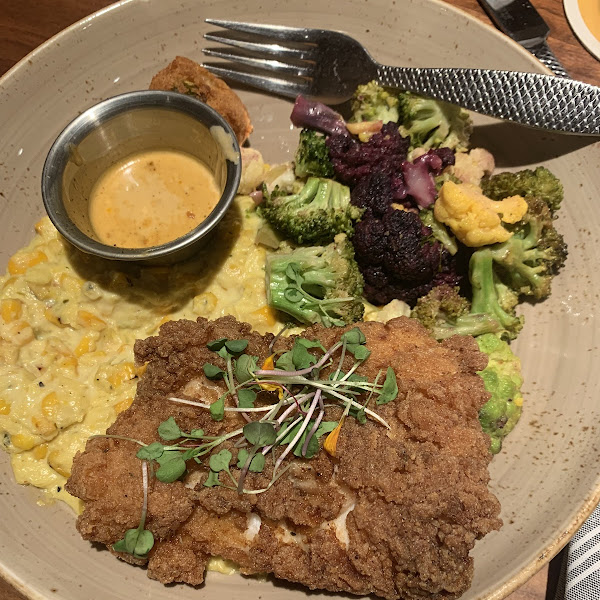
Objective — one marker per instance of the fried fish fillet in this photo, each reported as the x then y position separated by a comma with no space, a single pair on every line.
395,514
187,77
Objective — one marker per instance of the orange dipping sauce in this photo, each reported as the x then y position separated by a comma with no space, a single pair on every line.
152,198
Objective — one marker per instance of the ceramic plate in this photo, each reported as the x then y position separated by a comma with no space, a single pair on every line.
584,18
548,475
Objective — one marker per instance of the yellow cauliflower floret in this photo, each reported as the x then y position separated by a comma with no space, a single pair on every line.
475,219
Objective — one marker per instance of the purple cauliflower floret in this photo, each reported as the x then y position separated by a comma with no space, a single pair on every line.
384,153
399,258
376,192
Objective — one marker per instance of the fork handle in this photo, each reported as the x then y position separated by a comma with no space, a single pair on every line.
552,103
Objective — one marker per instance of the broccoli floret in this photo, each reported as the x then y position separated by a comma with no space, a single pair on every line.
444,312
490,296
371,102
314,215
312,156
539,183
503,380
432,123
316,284
440,232
527,261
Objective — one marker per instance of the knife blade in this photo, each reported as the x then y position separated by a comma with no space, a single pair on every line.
521,21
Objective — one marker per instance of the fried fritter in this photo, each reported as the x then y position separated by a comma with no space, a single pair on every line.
395,514
187,77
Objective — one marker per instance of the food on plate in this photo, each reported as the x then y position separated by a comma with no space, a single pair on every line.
151,198
68,324
188,77
391,502
316,284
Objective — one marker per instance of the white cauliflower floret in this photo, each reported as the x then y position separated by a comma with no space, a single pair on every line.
471,167
253,170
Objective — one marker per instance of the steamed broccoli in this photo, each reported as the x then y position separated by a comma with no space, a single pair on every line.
316,214
532,256
439,230
371,102
317,284
503,380
312,156
540,183
444,312
432,123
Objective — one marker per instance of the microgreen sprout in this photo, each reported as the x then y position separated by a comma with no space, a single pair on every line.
139,541
293,424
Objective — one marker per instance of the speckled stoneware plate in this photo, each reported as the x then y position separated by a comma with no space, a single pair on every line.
548,475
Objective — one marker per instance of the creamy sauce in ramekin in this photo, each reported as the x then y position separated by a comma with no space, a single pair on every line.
152,198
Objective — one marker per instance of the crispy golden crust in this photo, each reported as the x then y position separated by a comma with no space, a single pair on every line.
187,77
416,496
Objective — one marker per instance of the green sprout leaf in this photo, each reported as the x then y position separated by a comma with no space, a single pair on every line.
217,409
301,357
354,336
172,468
246,398
359,351
151,452
361,416
309,343
236,346
259,433
137,542
169,430
220,461
196,433
389,391
285,362
212,371
224,353
257,464
216,345
212,480
245,367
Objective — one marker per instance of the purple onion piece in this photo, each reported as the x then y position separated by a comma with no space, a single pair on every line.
316,115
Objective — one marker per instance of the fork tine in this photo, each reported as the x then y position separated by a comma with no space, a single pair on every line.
306,53
259,63
270,84
278,32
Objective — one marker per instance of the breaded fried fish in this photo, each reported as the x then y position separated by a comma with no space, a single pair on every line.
392,512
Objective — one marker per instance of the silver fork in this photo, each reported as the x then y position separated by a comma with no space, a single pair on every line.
328,65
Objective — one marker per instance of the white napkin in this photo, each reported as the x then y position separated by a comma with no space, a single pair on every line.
580,573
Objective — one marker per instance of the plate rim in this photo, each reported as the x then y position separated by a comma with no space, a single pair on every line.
586,506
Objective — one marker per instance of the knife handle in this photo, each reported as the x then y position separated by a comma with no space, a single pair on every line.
547,57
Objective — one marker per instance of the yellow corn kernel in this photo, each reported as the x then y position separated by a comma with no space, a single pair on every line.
205,303
67,362
53,461
139,371
87,319
20,262
23,441
11,310
43,425
40,451
39,226
49,404
4,407
52,318
124,372
86,344
519,401
267,314
123,405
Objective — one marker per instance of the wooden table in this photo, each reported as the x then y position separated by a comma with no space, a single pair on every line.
25,24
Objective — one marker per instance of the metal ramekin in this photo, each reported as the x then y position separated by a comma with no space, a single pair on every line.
119,127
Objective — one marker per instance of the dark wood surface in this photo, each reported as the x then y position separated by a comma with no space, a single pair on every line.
25,24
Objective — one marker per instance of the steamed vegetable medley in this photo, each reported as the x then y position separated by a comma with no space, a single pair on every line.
392,206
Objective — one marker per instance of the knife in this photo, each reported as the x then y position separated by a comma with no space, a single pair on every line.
519,20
